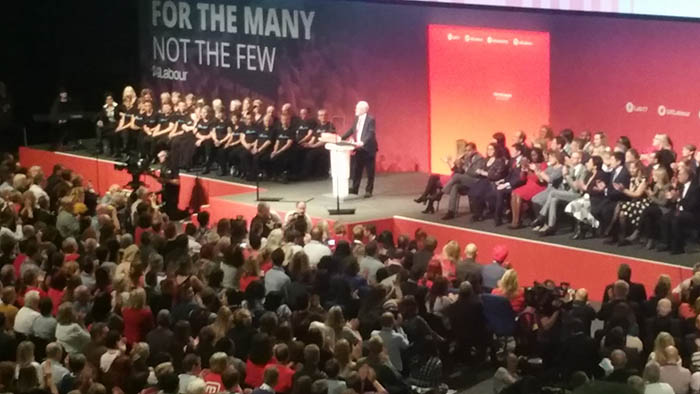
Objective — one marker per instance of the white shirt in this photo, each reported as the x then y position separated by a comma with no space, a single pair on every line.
686,186
658,388
315,251
37,191
25,319
360,125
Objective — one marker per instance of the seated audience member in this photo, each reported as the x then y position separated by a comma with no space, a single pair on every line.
532,186
433,188
469,270
580,208
663,321
509,288
637,292
551,176
673,373
516,176
654,385
494,171
572,187
603,209
683,215
620,372
270,378
463,176
493,272
630,212
658,206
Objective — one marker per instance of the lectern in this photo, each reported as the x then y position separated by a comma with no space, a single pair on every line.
340,174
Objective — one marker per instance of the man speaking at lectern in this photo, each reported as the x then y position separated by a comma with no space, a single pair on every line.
362,133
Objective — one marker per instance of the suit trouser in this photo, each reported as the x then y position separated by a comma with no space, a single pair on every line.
363,159
452,189
674,229
549,209
604,211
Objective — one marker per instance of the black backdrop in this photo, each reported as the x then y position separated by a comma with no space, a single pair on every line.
87,46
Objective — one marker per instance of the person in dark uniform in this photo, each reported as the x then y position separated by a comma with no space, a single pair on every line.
363,134
170,193
263,148
305,126
248,141
221,135
233,148
182,136
283,153
127,110
317,159
147,123
107,121
59,116
166,123
204,143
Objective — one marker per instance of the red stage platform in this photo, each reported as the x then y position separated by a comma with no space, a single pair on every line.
534,260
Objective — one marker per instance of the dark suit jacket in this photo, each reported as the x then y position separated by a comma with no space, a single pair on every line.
691,201
637,293
369,137
624,178
470,270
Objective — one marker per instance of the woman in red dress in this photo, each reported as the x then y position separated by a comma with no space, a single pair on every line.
532,186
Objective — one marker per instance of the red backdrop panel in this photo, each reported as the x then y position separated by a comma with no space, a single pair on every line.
482,81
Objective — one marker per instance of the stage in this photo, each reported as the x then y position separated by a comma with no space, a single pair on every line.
588,263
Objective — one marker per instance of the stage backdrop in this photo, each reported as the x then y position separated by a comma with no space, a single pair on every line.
625,76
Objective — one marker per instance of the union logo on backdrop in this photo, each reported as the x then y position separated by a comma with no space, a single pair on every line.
630,107
661,110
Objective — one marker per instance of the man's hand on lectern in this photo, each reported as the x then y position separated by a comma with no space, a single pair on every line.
359,144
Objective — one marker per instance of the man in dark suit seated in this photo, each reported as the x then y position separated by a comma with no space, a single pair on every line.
465,176
662,322
604,208
469,270
621,372
684,214
637,292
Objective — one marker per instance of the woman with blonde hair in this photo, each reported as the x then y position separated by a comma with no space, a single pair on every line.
662,341
658,206
509,288
249,273
138,318
127,118
449,259
223,323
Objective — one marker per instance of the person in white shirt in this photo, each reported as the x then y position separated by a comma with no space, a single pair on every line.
300,210
54,355
315,249
652,375
394,338
28,313
369,265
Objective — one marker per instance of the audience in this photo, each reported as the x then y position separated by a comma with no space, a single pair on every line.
294,312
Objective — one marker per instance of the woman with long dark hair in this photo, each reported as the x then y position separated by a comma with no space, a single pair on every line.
495,169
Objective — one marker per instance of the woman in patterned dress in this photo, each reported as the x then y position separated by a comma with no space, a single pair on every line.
631,211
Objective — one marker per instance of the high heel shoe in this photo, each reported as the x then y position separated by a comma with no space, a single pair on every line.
421,199
430,208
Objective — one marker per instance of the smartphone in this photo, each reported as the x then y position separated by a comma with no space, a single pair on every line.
331,242
243,245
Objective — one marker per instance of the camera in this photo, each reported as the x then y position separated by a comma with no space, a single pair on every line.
134,166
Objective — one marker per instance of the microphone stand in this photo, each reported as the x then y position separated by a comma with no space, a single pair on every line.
257,192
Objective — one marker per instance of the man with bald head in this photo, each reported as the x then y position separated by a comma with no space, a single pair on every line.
469,270
581,310
620,373
663,321
362,133
673,373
